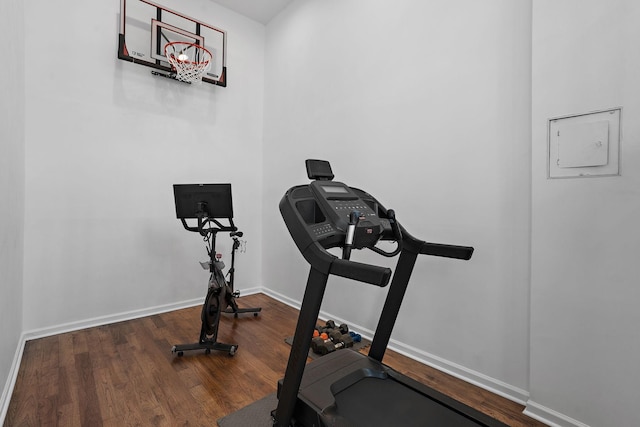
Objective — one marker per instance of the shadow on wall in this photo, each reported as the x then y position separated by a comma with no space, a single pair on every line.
136,88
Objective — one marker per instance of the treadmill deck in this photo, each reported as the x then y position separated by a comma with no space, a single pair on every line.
347,388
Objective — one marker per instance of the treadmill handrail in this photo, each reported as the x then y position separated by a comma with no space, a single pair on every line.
320,259
447,251
361,272
436,249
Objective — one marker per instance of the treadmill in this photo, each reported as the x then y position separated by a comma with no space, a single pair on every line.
347,388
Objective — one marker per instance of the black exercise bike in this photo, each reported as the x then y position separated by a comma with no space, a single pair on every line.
207,203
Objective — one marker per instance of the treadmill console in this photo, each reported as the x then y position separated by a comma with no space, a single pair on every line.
339,203
324,211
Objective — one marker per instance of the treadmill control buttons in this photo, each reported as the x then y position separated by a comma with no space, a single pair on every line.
347,206
323,229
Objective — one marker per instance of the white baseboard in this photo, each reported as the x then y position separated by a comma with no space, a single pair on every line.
105,320
120,317
549,416
481,380
282,298
7,391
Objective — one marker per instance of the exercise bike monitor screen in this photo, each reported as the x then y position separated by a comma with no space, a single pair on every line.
203,200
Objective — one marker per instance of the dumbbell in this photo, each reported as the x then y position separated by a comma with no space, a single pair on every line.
327,328
335,341
341,340
331,325
322,346
355,337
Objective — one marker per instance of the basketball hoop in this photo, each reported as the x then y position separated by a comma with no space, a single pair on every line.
189,60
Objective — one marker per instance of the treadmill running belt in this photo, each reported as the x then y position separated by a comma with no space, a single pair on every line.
385,402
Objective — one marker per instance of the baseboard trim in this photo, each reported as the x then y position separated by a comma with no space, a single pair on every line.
471,376
282,298
11,379
105,320
549,416
120,317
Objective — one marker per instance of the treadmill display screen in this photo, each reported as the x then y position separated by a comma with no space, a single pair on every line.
334,189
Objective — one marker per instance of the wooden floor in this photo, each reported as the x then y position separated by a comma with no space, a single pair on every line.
124,374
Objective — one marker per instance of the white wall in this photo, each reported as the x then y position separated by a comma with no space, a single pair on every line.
585,270
427,106
105,141
12,164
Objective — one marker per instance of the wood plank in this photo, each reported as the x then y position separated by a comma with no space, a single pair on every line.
88,401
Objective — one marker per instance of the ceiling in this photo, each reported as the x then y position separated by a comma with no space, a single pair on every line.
258,10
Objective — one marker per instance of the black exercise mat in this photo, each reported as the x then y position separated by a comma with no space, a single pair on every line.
357,346
258,414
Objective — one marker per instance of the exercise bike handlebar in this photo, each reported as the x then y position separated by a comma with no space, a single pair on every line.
200,228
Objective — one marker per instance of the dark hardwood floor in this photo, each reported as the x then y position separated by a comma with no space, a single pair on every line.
124,374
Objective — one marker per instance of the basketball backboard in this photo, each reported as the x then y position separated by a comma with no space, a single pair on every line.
146,27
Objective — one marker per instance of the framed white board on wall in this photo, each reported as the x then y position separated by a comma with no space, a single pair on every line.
585,145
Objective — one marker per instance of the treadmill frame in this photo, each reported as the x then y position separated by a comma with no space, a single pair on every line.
293,407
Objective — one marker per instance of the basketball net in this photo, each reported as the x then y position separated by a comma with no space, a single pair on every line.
189,60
